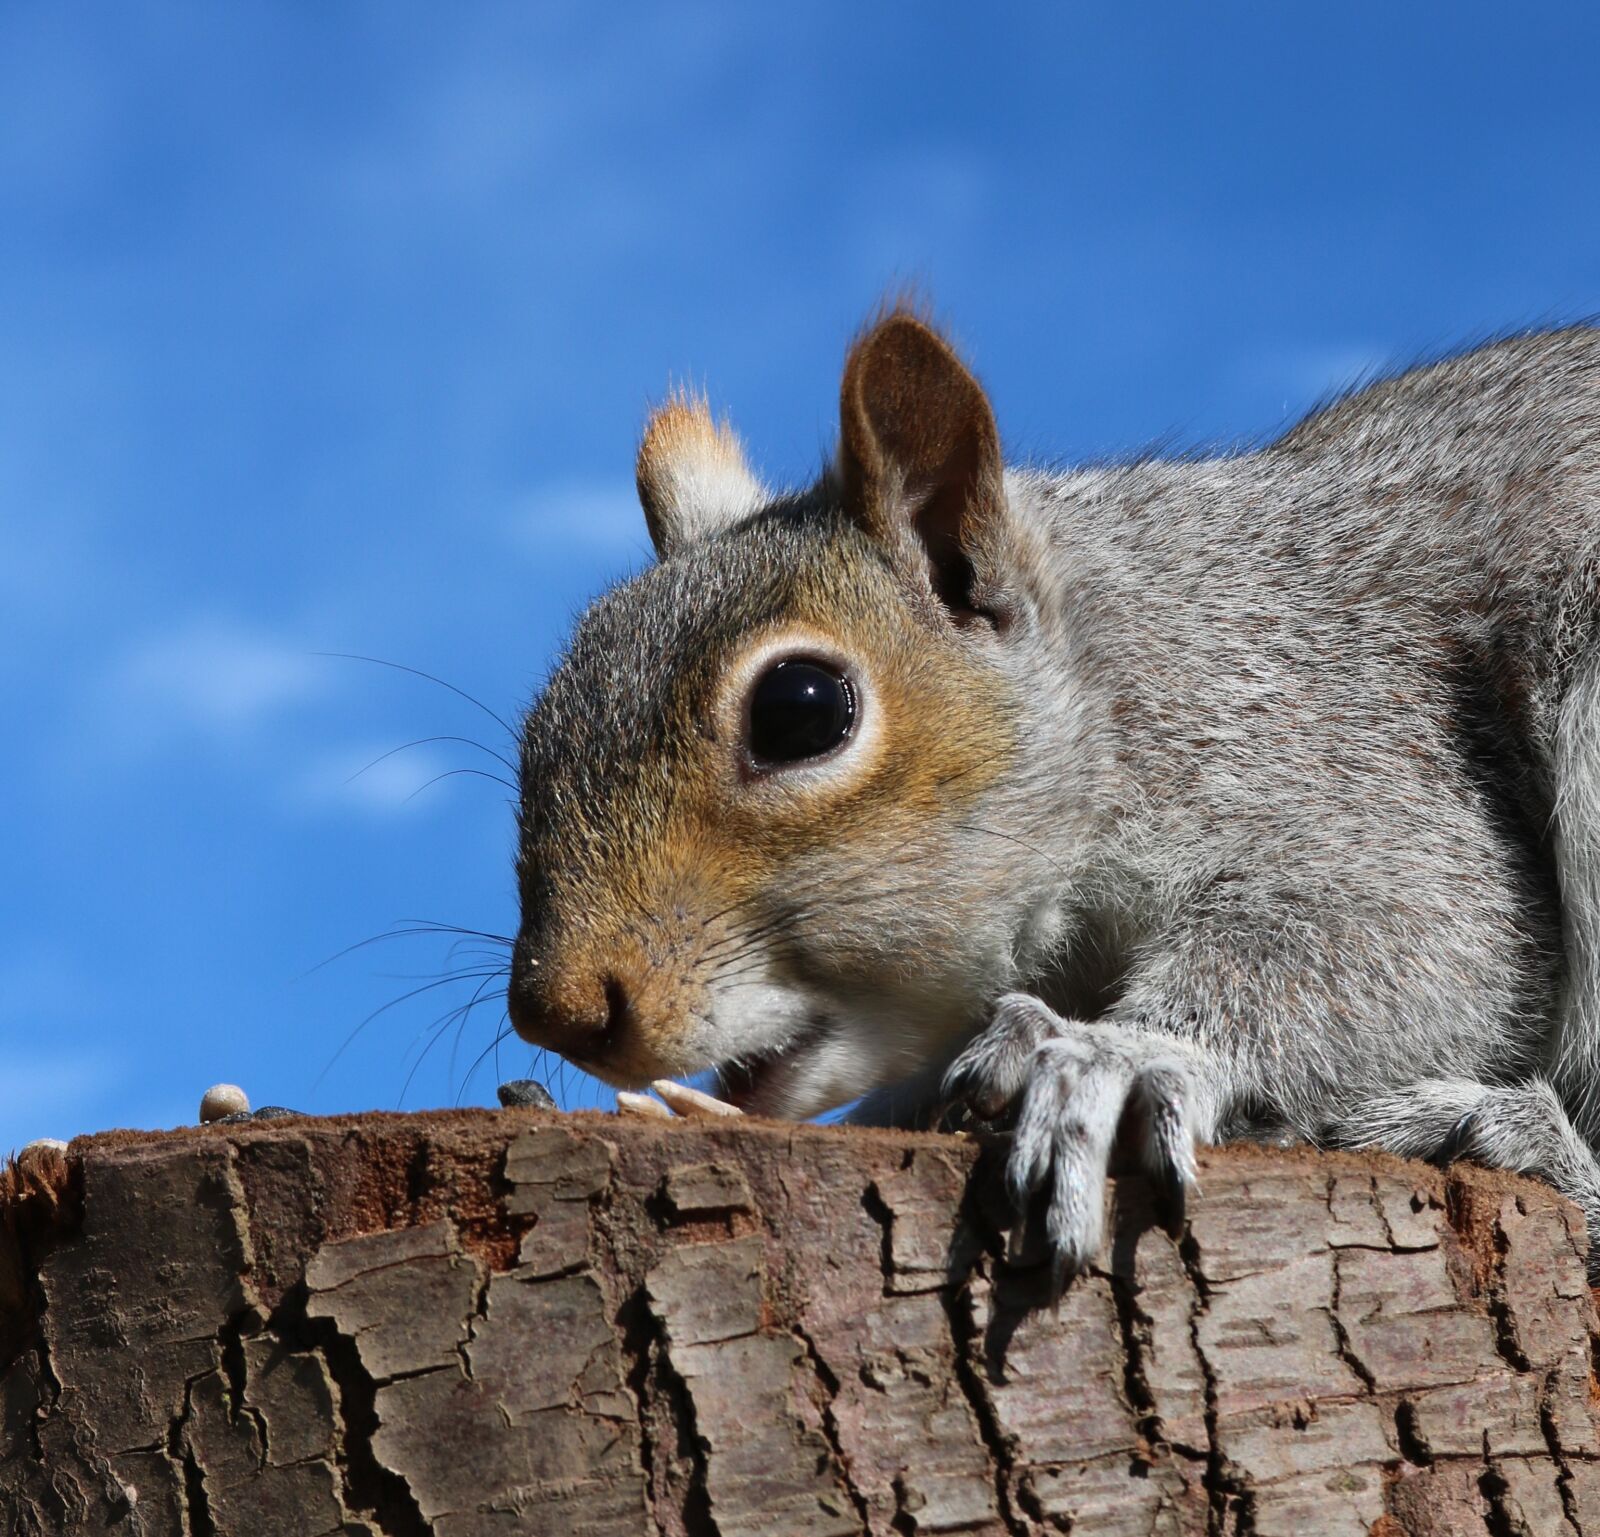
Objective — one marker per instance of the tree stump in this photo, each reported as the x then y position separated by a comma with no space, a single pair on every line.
521,1322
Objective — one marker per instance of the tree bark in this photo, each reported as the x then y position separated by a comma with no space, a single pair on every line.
518,1322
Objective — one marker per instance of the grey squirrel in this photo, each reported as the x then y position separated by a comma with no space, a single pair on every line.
1158,802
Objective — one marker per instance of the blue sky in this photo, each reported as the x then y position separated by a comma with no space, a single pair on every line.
331,329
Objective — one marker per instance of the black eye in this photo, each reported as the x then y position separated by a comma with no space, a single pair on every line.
799,710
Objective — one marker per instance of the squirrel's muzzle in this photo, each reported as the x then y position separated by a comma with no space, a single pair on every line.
585,1019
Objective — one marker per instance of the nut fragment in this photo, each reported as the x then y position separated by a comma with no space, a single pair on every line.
687,1101
641,1105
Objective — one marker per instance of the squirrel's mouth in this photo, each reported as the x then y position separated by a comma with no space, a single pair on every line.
767,1083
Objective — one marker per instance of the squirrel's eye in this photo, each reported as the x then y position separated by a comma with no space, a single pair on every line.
799,710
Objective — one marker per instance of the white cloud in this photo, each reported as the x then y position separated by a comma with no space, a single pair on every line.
1310,374
381,779
248,695
601,517
210,675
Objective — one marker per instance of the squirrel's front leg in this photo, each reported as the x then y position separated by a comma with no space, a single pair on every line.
1077,1084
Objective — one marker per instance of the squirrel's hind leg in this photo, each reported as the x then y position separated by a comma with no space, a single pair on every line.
1522,1127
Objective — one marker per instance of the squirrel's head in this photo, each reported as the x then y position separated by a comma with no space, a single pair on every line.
757,791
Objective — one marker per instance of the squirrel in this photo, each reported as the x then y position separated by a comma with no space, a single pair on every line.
1151,803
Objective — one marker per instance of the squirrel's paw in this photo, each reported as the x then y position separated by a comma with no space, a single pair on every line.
1079,1084
990,1073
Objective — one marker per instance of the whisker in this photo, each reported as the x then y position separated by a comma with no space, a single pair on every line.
732,907
452,773
431,926
563,1092
393,1003
460,950
435,1031
463,1015
406,928
1021,843
423,741
737,947
503,1032
460,974
417,672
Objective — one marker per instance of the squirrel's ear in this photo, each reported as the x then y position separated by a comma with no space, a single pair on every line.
919,454
693,479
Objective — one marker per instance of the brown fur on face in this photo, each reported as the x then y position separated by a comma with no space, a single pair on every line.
661,869
672,853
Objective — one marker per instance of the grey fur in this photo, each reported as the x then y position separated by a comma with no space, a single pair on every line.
1304,813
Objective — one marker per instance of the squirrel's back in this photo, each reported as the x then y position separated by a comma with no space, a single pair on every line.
1440,527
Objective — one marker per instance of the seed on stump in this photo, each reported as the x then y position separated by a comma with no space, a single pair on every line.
525,1091
223,1099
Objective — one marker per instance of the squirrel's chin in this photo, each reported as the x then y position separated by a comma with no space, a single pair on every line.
810,1072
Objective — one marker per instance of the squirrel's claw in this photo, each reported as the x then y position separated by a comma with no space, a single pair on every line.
1081,1089
991,1071
1062,1146
1077,1085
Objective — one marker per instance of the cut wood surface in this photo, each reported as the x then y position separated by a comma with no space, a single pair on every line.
519,1322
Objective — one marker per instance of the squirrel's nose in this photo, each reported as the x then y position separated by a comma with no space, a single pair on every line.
581,1018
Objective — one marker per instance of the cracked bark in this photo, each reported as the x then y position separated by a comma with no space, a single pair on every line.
515,1322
